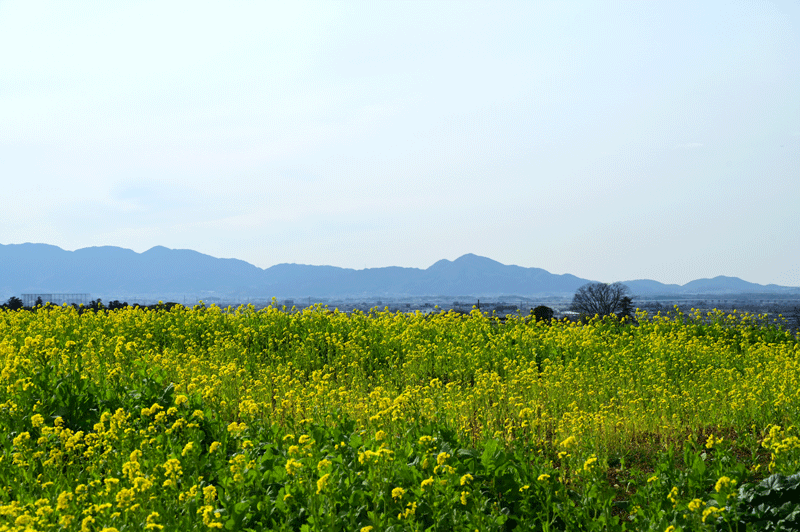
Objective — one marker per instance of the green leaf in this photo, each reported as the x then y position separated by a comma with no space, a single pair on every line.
489,451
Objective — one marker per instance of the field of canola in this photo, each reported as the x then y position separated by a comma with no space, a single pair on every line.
274,419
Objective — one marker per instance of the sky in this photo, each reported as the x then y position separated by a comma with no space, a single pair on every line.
611,140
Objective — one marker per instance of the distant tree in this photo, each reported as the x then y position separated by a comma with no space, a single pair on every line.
14,303
601,298
39,301
625,308
543,313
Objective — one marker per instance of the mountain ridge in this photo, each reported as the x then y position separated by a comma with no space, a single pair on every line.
160,271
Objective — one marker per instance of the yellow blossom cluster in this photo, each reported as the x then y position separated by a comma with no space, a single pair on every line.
119,409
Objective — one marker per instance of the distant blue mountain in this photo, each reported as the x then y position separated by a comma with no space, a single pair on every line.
720,285
161,272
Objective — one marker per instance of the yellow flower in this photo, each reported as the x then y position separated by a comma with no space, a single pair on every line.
23,520
723,483
209,494
441,458
380,435
142,484
367,456
86,524
20,440
466,478
150,523
180,400
587,465
63,501
464,495
411,509
398,493
673,493
235,427
711,511
172,467
695,505
214,446
366,529
293,466
427,482
37,420
543,477
322,482
187,448
208,516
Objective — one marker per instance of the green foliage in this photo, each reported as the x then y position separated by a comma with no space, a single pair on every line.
773,504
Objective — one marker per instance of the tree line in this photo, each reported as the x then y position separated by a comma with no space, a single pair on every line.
15,303
589,300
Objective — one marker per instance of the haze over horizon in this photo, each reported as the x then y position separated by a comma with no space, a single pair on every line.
160,273
469,260
656,140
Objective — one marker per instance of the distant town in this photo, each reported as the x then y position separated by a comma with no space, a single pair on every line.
778,308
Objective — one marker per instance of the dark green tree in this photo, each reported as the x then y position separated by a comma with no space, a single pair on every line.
626,308
14,303
543,313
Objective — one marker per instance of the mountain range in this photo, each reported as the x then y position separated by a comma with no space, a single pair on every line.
168,273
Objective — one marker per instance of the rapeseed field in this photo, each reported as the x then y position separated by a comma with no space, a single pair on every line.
277,419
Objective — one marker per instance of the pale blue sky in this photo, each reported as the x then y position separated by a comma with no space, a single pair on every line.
611,140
